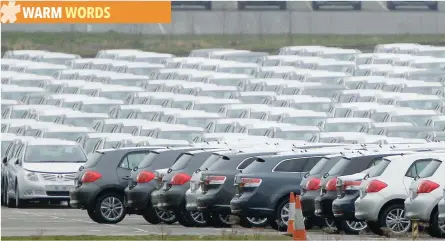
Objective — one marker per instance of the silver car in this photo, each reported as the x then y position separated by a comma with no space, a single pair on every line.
425,192
41,169
442,208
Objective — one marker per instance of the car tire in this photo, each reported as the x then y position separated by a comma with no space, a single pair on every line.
197,218
3,193
166,217
308,223
110,208
334,225
93,215
19,203
397,210
9,201
183,218
151,216
435,229
353,227
374,227
279,221
254,222
220,220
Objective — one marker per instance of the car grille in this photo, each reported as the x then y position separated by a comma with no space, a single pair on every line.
57,177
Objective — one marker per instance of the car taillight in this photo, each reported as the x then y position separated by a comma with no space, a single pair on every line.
215,180
375,186
250,182
351,185
331,185
144,177
427,187
90,176
180,179
313,184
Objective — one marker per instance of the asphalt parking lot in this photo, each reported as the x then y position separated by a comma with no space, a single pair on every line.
47,221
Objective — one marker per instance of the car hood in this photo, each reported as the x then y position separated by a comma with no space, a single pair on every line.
52,167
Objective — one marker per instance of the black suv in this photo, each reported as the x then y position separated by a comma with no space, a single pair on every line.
101,182
143,181
170,195
263,187
212,194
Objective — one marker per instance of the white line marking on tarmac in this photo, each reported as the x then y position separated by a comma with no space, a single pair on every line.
137,230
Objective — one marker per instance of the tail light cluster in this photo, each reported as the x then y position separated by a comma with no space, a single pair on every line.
145,176
180,179
427,186
214,180
375,186
313,184
342,186
90,176
332,184
250,182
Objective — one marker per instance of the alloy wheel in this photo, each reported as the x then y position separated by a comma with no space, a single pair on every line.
257,221
226,219
357,226
284,213
330,223
442,226
397,222
166,216
198,217
111,208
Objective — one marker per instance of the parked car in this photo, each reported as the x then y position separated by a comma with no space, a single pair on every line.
212,192
99,184
384,190
171,195
274,177
338,186
41,169
425,192
143,181
441,207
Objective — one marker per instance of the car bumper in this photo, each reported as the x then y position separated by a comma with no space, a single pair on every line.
139,197
368,207
442,210
46,190
190,199
215,201
83,197
308,203
246,206
344,208
323,205
420,207
169,199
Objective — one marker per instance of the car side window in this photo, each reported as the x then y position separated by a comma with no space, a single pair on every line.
291,165
132,160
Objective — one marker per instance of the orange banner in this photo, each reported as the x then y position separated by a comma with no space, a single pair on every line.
86,12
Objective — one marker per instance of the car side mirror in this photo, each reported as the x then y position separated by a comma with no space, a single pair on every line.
5,160
17,162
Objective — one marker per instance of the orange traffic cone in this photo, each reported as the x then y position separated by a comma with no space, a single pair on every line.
299,229
290,222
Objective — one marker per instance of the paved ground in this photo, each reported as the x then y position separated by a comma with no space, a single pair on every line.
38,221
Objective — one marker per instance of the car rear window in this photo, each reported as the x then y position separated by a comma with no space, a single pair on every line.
209,162
378,169
246,163
430,169
256,165
148,160
93,158
182,161
319,166
339,167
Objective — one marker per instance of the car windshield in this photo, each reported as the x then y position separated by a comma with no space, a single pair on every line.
13,95
184,105
90,144
320,107
96,108
421,104
5,145
222,128
304,121
48,118
93,159
415,119
39,71
123,114
111,144
378,169
54,153
116,95
295,135
179,135
413,134
217,94
236,70
430,169
256,132
195,122
18,114
148,160
82,122
71,136
344,127
379,117
182,162
235,113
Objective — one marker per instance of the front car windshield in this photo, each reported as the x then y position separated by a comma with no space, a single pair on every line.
116,95
18,114
344,127
304,121
421,104
235,113
71,136
48,118
81,122
179,135
413,134
5,145
295,135
96,108
237,70
223,128
184,105
54,153
217,94
320,107
415,119
212,108
195,122
111,144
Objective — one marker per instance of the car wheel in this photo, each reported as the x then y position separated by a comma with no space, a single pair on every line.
308,224
110,208
333,224
9,202
220,220
197,218
3,194
436,228
183,218
257,222
393,217
279,222
167,217
19,203
374,227
150,215
353,227
93,215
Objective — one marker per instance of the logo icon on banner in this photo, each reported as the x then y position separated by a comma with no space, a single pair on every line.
9,12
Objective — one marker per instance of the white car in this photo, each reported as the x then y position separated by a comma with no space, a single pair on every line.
384,190
424,195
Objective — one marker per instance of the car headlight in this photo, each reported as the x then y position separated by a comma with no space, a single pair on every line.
31,176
